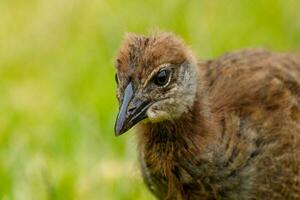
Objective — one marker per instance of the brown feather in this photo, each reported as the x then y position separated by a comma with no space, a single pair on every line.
241,137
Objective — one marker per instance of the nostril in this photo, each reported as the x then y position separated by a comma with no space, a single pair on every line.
131,109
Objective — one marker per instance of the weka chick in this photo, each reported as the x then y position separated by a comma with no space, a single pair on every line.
221,129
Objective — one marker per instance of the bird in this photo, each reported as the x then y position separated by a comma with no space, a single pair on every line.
221,128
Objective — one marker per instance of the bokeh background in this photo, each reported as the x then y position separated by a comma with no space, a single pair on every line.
57,90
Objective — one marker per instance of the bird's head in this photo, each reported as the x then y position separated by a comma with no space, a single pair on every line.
156,79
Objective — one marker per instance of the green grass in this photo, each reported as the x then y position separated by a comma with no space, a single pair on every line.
57,90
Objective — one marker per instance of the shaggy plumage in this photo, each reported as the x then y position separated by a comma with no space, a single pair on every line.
227,128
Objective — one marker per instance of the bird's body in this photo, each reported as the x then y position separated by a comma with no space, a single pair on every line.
238,139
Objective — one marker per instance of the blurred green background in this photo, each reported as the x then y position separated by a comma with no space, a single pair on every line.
57,90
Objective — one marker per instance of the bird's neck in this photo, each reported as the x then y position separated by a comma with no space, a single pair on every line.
165,147
192,132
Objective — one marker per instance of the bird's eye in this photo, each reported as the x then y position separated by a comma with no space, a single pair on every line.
116,79
162,78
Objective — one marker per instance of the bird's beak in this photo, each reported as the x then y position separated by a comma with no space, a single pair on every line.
132,110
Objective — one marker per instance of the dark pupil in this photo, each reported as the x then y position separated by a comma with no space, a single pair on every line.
162,77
